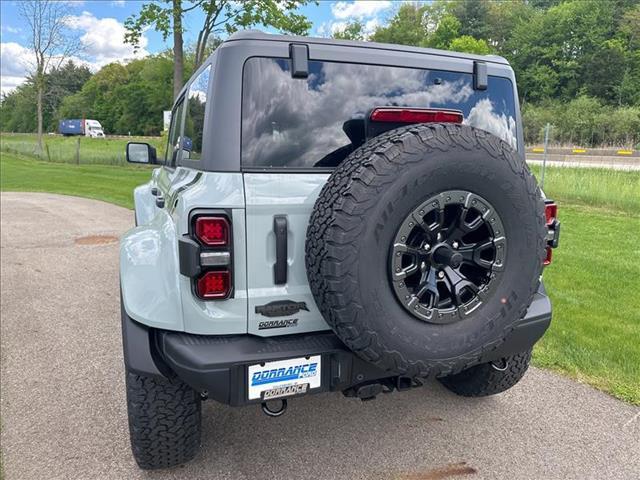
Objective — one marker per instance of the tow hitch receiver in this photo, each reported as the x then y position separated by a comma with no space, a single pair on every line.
275,412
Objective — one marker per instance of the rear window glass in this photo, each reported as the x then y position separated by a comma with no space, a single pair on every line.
314,122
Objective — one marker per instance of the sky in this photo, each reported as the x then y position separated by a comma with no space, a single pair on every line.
99,24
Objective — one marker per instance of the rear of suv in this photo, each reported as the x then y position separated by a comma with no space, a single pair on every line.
330,216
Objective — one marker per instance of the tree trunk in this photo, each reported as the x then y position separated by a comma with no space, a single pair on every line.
198,59
40,88
178,53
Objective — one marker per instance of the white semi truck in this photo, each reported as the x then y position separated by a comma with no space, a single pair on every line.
86,127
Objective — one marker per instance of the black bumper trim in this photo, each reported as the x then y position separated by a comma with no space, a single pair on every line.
218,364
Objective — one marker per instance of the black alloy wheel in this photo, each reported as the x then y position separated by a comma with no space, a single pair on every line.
446,255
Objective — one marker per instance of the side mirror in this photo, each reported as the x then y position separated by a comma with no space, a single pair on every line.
138,152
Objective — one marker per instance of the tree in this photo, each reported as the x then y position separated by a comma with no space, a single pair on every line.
220,16
352,31
473,16
126,98
406,27
448,28
49,42
468,44
61,82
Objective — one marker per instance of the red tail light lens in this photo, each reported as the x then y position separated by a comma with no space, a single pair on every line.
214,284
553,229
415,115
212,231
550,212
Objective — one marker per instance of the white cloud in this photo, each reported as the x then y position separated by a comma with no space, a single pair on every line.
103,39
366,12
331,28
358,9
10,29
482,116
370,26
118,3
15,63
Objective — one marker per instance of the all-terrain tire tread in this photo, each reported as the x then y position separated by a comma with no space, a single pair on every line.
483,380
164,421
339,217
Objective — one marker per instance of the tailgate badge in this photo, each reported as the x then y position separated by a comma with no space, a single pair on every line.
281,308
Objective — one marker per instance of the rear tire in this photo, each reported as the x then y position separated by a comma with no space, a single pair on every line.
489,378
164,421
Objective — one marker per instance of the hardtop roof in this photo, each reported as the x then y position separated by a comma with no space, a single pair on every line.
262,36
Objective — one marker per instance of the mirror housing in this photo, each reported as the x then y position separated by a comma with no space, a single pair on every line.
139,152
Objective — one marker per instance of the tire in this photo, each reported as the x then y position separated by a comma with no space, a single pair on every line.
361,208
164,421
487,378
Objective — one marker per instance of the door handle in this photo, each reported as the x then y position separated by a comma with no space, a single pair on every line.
160,202
280,267
154,191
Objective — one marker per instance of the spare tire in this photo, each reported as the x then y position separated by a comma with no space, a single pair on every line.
425,247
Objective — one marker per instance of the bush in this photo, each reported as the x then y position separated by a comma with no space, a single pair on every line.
584,122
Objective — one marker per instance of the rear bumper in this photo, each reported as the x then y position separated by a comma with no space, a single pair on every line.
218,364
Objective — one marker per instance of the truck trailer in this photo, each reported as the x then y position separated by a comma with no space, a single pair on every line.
86,127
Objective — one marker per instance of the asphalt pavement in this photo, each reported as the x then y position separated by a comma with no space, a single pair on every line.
63,405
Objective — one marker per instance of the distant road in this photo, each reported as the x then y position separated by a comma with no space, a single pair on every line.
585,152
614,158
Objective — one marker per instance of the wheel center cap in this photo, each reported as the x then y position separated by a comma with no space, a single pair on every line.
443,254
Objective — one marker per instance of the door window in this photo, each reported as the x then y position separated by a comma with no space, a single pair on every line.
194,120
173,143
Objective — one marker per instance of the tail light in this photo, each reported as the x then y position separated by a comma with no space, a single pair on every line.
553,229
215,284
212,231
206,255
415,115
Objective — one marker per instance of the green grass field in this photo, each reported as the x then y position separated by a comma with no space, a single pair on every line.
102,182
598,187
59,149
593,284
593,281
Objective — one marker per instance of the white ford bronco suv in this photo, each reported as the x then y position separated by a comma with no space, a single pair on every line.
330,216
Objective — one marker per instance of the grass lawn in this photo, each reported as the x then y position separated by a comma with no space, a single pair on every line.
598,187
102,182
593,281
106,151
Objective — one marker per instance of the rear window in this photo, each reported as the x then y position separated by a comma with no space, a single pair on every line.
314,122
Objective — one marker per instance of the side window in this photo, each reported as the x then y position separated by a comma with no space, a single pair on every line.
194,121
173,143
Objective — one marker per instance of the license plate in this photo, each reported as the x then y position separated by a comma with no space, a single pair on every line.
284,377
